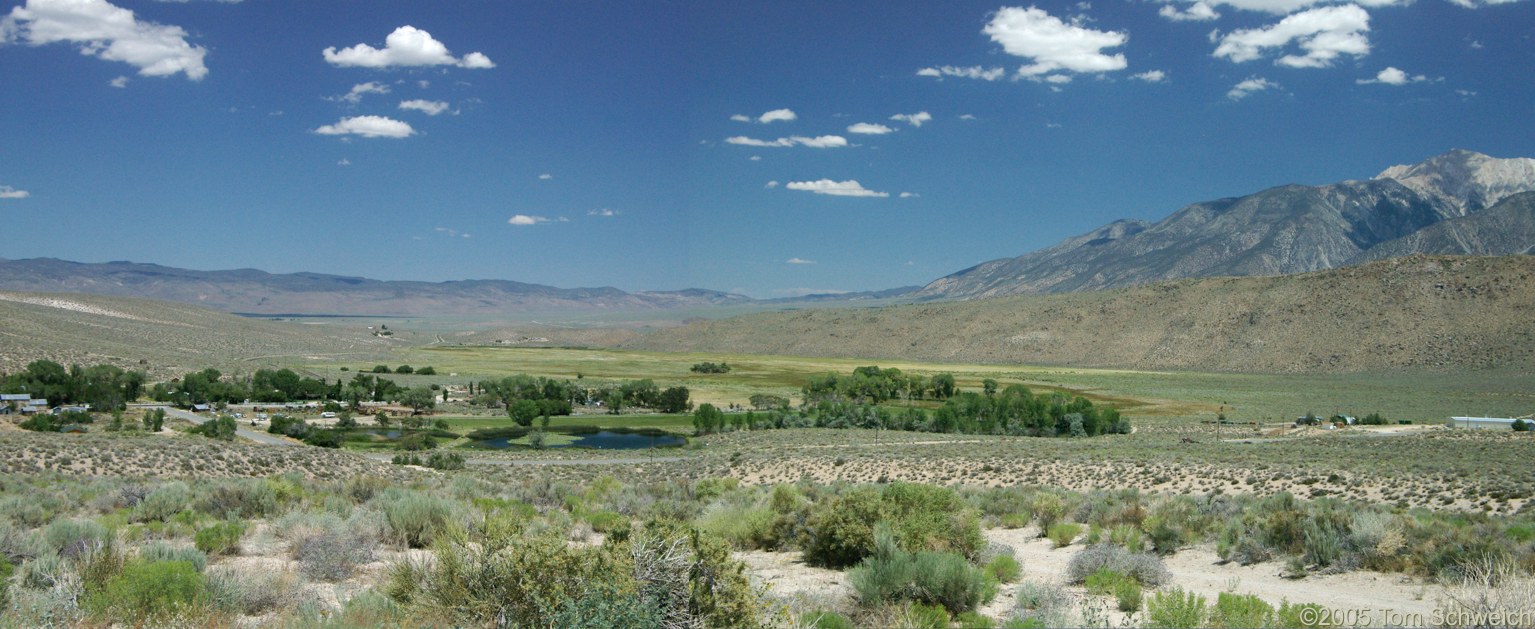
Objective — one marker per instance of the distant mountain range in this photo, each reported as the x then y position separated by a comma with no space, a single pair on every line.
1460,202
249,291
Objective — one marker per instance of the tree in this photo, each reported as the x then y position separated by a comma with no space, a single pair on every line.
346,421
404,369
382,419
707,419
419,399
154,420
426,371
943,386
523,412
989,387
674,400
381,369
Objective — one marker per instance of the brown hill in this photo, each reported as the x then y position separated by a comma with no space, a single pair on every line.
1405,313
162,338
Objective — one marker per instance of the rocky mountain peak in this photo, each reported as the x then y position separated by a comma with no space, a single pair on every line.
1469,180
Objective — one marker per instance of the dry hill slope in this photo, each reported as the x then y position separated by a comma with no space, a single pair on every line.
167,337
1416,312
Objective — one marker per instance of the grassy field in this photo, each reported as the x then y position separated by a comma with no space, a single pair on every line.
1421,397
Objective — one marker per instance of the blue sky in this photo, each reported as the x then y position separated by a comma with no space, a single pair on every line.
769,148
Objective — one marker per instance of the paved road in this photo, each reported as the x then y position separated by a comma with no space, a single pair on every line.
258,437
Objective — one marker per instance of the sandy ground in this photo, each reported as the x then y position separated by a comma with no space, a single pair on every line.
1358,598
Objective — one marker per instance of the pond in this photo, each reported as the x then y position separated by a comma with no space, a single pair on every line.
601,440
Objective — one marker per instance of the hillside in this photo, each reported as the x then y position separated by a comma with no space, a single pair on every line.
1437,313
258,292
161,338
1283,230
1505,228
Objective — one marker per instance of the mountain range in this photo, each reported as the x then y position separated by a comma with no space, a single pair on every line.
249,291
1460,202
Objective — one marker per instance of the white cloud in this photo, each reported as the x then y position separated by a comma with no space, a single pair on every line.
1393,76
1053,45
546,177
360,90
867,128
119,82
820,142
777,115
972,72
915,119
771,184
741,118
106,31
799,261
604,212
344,162
1249,87
368,127
909,195
1197,12
406,46
849,188
1276,7
428,107
1323,34
755,158
967,117
7,192
1151,76
524,219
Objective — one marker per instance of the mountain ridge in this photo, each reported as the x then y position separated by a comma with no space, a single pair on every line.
1281,230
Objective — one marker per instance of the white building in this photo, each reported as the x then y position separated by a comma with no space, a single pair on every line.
1497,423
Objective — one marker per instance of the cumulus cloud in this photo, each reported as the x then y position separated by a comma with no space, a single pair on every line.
360,90
849,188
741,118
972,72
344,162
1150,76
546,177
368,127
405,47
777,115
819,142
451,233
1393,76
909,195
7,192
1286,7
524,220
967,116
108,32
119,82
604,212
799,261
771,184
428,107
1249,87
915,119
867,128
1323,34
1052,45
1197,12
1477,4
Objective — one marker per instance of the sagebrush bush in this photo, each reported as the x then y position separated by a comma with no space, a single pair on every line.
892,575
922,517
745,526
238,498
72,538
163,551
251,591
417,519
163,502
1041,605
1062,533
1004,569
1241,610
1145,568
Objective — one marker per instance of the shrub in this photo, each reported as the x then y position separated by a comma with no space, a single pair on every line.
1308,615
922,517
826,619
1175,609
222,538
1062,534
250,591
1145,568
161,551
921,616
1127,596
745,527
150,590
1048,509
74,538
6,569
445,461
1041,605
333,555
1241,610
973,620
891,575
162,503
1004,569
243,498
415,519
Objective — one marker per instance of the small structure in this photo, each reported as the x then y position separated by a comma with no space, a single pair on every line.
34,406
1474,423
201,408
12,402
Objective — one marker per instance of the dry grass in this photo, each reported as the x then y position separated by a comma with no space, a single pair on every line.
156,456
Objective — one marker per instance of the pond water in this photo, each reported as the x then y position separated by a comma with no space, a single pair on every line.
602,440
